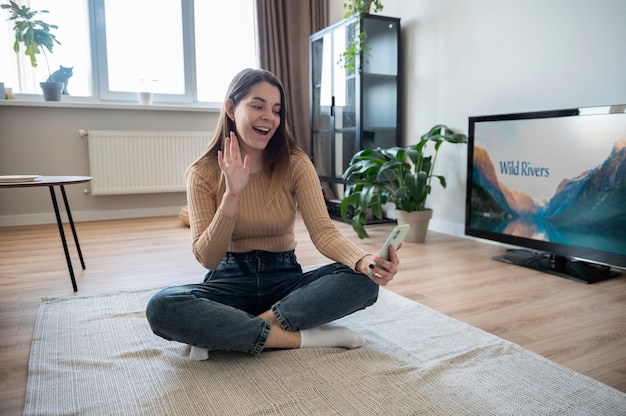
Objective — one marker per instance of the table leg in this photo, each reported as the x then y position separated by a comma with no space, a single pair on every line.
60,224
69,216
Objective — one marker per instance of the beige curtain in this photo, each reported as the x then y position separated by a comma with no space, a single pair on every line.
284,27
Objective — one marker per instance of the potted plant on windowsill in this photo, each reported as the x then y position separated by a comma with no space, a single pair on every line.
401,176
36,36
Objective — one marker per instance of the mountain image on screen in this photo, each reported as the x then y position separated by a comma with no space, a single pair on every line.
593,200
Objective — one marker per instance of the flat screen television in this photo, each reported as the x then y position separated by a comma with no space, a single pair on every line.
551,185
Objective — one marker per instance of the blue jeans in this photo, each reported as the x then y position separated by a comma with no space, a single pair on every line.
222,313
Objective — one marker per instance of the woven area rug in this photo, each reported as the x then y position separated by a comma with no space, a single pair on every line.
97,356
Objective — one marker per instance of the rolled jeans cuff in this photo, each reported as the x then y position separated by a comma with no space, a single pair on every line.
260,343
284,323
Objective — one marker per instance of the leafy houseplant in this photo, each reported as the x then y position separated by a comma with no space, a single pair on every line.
36,36
355,46
401,176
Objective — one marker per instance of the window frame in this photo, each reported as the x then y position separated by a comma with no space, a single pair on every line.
101,90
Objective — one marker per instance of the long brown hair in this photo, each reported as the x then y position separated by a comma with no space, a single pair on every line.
281,145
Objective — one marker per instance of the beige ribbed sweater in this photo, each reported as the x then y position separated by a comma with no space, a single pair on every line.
257,226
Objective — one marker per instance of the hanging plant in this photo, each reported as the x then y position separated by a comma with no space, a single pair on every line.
354,10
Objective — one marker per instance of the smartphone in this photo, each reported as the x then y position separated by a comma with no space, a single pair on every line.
395,238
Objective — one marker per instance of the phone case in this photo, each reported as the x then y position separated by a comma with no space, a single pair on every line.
395,238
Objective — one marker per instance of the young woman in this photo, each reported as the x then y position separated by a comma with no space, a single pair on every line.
243,195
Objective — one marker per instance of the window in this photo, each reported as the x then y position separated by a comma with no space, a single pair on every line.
181,51
71,16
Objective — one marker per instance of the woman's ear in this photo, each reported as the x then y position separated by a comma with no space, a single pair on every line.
230,109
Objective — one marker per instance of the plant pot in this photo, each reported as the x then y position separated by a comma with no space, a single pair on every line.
51,90
418,220
145,98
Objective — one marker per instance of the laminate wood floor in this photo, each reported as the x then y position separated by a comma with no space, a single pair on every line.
580,326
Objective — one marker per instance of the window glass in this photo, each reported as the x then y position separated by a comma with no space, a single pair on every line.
145,46
71,16
225,44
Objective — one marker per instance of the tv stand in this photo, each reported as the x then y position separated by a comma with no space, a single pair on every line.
579,271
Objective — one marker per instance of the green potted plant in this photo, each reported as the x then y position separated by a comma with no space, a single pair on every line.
401,176
355,9
36,36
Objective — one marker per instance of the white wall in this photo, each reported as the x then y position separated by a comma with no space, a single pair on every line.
43,139
476,57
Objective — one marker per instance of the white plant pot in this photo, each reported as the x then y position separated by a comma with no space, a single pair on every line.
145,98
418,220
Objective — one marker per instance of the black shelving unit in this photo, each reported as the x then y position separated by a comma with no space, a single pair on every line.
352,110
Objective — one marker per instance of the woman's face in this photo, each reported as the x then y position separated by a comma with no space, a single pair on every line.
257,116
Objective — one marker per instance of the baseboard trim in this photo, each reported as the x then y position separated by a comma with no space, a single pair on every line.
81,216
446,227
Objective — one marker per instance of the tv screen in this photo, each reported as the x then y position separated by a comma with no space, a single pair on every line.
552,184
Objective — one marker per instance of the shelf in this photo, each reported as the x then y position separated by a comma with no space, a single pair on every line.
367,103
381,76
334,211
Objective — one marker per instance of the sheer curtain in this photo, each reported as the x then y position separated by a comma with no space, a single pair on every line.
284,27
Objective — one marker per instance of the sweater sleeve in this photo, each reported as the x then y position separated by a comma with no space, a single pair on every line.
211,229
324,234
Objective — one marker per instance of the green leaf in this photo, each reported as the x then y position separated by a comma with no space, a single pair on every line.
33,34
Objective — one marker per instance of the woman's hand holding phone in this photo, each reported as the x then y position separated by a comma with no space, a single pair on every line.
384,267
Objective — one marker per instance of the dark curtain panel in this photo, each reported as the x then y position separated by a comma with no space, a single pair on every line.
284,27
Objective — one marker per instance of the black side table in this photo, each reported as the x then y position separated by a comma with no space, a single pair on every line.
51,182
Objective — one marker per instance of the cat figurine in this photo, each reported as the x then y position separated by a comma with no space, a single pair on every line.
62,75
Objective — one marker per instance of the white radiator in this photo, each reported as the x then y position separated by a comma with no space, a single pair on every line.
136,162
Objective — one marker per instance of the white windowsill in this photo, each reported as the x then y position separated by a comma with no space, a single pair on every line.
77,102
